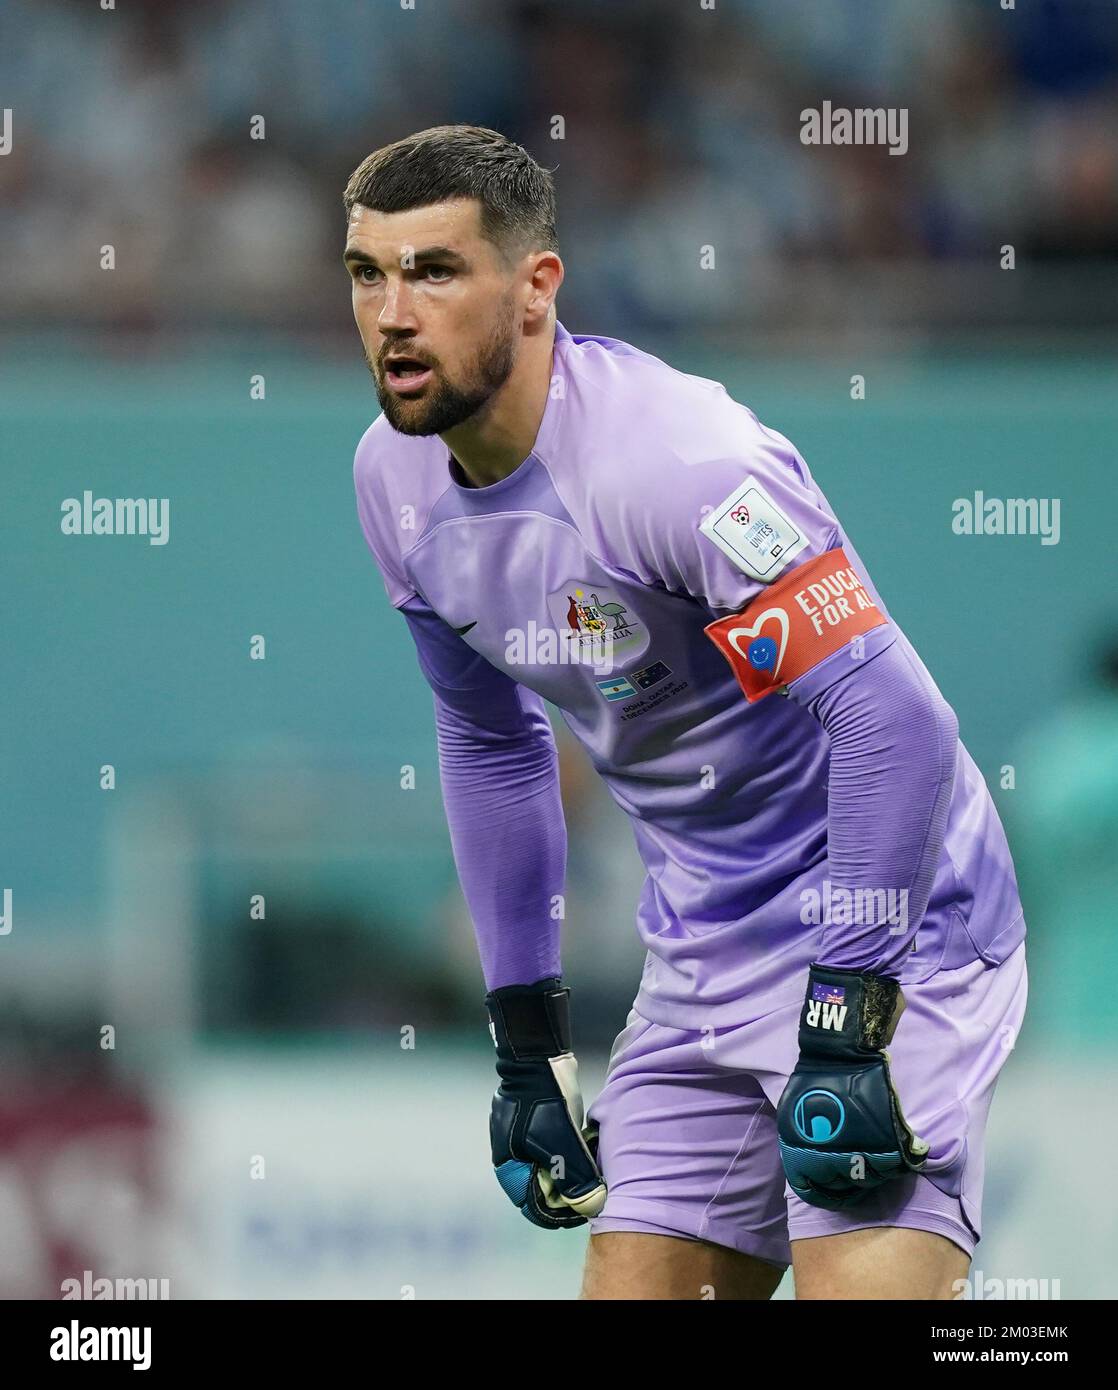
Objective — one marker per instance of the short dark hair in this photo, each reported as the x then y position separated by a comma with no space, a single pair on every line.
517,196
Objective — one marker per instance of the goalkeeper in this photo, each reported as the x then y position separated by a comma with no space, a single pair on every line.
835,969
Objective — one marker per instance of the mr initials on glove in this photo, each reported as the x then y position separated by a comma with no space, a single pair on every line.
841,1128
543,1158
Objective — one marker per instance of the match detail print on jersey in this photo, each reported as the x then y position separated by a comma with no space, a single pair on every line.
753,532
794,625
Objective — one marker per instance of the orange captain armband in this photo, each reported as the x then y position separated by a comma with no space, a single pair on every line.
814,611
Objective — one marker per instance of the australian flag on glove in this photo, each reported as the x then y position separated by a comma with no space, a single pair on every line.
842,1131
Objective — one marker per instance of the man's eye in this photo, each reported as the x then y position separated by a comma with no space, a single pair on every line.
364,271
438,273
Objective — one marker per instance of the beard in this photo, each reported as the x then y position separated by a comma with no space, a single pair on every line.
449,403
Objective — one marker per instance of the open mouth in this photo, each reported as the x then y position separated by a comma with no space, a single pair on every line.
406,374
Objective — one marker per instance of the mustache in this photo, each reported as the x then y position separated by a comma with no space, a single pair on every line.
399,351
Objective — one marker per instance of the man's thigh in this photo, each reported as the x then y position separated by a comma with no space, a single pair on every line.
878,1262
951,1043
640,1265
688,1151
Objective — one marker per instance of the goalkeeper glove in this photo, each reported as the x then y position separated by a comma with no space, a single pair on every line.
840,1122
544,1160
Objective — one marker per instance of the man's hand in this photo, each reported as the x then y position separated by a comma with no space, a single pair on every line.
543,1158
840,1122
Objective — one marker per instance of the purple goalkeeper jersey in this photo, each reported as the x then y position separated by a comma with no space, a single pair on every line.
839,818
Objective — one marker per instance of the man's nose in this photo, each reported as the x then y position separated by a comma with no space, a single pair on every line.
397,313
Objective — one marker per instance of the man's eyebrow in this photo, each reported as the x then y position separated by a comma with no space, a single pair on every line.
439,253
355,255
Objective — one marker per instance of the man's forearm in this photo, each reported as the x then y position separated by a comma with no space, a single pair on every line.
505,814
894,743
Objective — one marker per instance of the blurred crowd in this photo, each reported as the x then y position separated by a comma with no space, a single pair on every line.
680,130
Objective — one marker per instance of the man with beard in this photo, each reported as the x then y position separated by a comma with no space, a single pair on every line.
821,849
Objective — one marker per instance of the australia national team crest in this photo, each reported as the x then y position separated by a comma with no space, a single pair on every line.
591,615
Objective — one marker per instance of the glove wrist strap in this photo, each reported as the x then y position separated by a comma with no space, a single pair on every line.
848,1014
530,1022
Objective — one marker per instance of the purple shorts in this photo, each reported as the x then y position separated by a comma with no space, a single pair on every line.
688,1139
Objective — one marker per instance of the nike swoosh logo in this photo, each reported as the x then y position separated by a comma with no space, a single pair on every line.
461,631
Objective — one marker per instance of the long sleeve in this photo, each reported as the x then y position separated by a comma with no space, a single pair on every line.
500,782
894,742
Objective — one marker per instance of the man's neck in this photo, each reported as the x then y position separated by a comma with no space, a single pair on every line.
495,442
